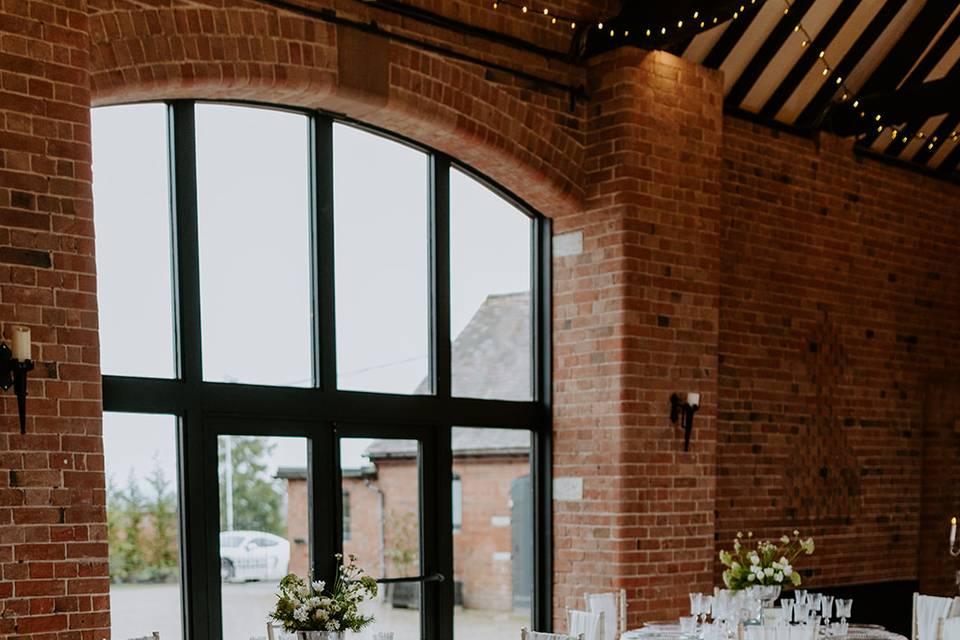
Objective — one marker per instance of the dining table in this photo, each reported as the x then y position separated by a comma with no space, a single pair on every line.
671,631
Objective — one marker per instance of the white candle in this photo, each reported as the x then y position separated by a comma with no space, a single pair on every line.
21,344
953,531
693,399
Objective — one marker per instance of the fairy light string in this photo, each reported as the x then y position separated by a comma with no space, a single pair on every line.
699,21
846,95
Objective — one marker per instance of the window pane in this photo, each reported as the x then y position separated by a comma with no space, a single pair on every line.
382,478
131,193
493,547
264,526
490,293
254,226
381,221
143,523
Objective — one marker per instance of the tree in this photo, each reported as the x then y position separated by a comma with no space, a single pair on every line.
132,562
115,517
258,499
162,553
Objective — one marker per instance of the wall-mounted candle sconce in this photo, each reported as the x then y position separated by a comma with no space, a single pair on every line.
684,411
14,364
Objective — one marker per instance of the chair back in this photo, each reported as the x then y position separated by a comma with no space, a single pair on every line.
613,606
928,611
949,628
589,625
538,635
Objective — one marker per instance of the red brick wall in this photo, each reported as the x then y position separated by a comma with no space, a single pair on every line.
807,295
838,300
53,550
636,319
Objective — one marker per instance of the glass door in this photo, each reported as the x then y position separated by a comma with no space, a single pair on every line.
289,495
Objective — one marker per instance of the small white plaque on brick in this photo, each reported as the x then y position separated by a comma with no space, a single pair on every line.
500,521
501,556
566,489
568,244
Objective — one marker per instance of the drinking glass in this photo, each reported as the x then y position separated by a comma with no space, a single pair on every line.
801,595
826,608
706,606
688,625
696,604
844,609
816,601
788,606
382,635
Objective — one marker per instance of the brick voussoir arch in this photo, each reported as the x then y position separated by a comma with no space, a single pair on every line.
252,53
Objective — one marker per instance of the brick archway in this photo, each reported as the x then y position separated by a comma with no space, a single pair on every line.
259,54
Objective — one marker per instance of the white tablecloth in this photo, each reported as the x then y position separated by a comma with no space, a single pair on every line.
660,631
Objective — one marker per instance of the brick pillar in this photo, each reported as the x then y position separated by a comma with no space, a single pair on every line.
636,318
53,550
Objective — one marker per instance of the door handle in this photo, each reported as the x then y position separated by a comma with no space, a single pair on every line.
433,577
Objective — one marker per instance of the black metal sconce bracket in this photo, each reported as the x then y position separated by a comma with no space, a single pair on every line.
14,372
680,410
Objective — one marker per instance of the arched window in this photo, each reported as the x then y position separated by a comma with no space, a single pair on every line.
296,309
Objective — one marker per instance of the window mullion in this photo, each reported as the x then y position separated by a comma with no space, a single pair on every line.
440,276
324,279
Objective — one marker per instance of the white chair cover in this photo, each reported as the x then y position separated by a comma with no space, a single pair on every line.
927,613
606,603
539,635
586,623
950,629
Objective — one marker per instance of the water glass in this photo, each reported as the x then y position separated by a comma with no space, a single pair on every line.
787,605
688,625
844,608
801,595
826,607
696,604
816,601
706,606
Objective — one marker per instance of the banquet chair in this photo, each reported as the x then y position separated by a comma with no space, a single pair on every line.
587,624
275,632
949,628
539,635
927,613
613,605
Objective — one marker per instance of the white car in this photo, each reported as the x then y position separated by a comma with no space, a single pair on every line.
253,555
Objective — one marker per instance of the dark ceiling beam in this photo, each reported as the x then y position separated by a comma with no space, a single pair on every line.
668,23
942,134
896,147
767,51
950,163
918,103
810,56
909,47
916,77
816,109
728,40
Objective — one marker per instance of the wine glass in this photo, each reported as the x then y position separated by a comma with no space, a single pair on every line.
788,605
844,608
826,609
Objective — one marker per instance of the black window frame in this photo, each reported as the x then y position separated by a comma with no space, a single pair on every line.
205,408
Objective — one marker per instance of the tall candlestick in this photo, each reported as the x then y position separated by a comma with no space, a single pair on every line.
21,344
953,530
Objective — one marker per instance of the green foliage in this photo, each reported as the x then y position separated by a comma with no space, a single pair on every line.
258,499
403,542
142,530
303,605
766,563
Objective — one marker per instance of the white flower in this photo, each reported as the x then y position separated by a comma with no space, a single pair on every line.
785,539
301,614
751,577
318,585
788,571
768,571
779,576
754,558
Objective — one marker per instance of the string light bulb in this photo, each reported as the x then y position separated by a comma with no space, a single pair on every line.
696,14
546,12
524,8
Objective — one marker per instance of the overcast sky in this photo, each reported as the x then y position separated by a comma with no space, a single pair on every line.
254,229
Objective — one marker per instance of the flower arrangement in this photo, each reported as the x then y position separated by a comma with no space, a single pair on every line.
305,605
768,563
